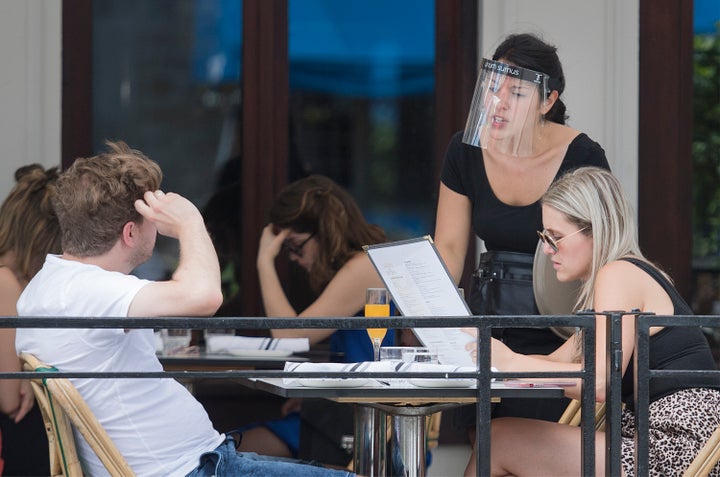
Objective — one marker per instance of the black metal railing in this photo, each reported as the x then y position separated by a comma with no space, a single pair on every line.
643,374
584,320
483,375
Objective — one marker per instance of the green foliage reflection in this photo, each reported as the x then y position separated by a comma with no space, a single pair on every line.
706,146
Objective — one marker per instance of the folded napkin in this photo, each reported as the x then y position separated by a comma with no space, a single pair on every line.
365,366
373,367
435,368
224,344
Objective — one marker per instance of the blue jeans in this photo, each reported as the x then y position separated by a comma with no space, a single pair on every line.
225,461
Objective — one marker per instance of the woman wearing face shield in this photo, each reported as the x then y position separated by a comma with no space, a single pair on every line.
514,146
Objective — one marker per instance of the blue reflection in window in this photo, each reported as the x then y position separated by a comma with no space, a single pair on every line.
372,48
217,48
706,16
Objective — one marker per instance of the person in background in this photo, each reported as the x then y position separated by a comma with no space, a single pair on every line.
514,146
590,234
323,230
29,230
110,210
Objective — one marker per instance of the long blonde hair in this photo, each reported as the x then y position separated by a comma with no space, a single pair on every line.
592,198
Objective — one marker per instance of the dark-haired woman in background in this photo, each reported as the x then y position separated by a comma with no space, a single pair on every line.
322,229
29,230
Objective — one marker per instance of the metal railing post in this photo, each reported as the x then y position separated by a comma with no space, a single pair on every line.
641,365
587,401
483,405
613,394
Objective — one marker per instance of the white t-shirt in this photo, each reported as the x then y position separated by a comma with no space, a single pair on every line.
157,425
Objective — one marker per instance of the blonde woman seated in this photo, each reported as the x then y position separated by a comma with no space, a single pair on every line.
590,234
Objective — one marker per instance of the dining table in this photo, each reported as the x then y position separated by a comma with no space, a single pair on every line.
198,359
390,416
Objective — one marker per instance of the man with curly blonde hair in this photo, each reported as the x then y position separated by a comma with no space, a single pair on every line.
110,210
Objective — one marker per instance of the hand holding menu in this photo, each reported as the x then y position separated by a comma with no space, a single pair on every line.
420,285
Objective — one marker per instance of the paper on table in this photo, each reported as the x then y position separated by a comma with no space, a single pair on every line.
420,285
223,344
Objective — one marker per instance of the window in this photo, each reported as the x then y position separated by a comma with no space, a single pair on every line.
166,76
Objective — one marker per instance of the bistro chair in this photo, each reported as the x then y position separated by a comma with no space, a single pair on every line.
62,407
572,415
707,458
432,430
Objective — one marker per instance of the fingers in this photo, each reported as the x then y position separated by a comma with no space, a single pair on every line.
269,231
27,400
150,198
271,242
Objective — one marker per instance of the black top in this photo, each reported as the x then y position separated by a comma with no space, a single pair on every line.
681,348
501,226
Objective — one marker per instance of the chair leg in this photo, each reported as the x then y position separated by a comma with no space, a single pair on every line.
707,458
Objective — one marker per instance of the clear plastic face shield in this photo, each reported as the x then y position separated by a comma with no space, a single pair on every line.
505,115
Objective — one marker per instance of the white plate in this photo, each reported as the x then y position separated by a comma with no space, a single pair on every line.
259,353
442,383
333,382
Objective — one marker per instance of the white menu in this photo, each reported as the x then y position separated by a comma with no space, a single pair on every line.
420,285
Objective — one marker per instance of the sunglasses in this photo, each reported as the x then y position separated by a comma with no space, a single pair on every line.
552,242
297,249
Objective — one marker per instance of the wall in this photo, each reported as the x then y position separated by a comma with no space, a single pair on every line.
598,46
30,85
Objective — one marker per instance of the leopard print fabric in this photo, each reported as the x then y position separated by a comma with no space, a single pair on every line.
680,424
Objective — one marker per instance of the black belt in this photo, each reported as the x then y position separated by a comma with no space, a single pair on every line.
505,265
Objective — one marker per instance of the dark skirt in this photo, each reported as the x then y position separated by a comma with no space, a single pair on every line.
679,425
25,445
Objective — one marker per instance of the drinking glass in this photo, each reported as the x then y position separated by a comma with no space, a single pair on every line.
175,341
212,332
420,355
377,303
391,353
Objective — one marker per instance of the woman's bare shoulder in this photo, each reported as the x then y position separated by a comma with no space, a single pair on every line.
10,290
359,263
8,279
621,277
618,268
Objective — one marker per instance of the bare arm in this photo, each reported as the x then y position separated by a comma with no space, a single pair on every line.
452,229
194,289
619,286
343,296
16,397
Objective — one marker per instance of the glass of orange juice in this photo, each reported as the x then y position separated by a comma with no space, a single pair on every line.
377,303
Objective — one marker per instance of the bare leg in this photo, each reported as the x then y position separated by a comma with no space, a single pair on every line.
264,442
532,447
